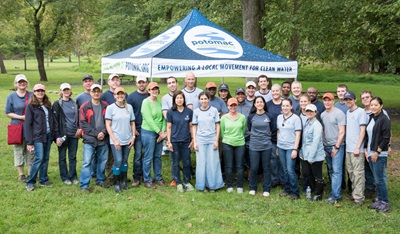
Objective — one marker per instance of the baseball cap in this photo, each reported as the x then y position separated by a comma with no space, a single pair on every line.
232,101
141,78
223,87
39,87
119,89
152,85
349,95
110,77
251,83
311,107
87,77
65,86
95,86
211,85
20,77
240,90
328,95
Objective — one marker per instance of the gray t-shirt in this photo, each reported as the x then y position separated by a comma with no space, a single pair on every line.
205,121
193,96
121,118
332,120
99,120
267,96
354,119
69,111
260,131
342,107
287,131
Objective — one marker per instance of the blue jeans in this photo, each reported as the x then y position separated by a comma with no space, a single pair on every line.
71,143
40,162
138,158
181,152
152,152
369,177
379,170
277,176
335,166
101,153
265,157
233,155
120,159
288,165
208,168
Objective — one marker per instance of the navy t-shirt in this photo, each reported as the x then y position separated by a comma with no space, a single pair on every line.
180,131
274,110
135,99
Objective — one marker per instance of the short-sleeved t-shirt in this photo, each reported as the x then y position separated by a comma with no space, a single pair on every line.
205,121
274,110
342,107
332,120
354,119
166,101
82,98
68,108
193,96
287,131
108,96
16,104
121,118
295,104
180,131
267,96
99,120
260,131
135,99
219,104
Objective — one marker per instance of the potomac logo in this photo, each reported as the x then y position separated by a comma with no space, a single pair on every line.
161,41
212,42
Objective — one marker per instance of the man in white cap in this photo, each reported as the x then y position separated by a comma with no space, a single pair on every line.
135,99
95,138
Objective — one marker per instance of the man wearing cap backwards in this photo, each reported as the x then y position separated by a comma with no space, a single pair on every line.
356,121
334,121
191,90
216,102
108,96
312,93
295,97
87,82
135,99
263,82
95,138
172,84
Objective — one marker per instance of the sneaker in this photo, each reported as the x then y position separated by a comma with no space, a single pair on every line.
239,190
284,194
189,187
331,201
375,205
179,188
173,183
103,185
149,185
229,190
161,183
294,197
252,192
67,182
30,187
317,198
85,190
46,184
265,194
21,178
135,183
75,181
383,207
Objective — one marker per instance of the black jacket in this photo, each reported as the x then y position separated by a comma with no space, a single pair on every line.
35,125
380,133
60,119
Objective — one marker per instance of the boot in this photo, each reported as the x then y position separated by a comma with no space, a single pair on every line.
117,181
319,189
123,181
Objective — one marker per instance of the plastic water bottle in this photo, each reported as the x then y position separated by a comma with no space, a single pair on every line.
62,139
308,192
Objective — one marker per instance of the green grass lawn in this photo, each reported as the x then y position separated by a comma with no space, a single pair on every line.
64,209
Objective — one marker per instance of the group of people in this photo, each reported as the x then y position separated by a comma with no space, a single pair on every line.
267,132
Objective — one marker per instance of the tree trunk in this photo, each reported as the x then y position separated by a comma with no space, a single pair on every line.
252,13
69,59
40,59
363,67
25,64
295,38
2,66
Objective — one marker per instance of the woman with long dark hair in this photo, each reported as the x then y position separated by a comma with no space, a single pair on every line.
260,124
376,143
39,133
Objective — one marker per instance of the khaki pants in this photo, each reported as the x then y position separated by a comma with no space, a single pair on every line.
355,168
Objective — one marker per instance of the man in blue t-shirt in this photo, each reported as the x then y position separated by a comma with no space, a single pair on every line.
135,99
